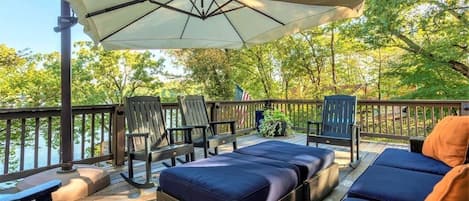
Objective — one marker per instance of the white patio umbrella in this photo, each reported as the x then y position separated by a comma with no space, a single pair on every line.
169,24
172,24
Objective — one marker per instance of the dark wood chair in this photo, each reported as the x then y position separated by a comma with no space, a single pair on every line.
149,140
194,113
338,125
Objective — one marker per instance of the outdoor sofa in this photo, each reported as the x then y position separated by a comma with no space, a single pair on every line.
270,171
402,175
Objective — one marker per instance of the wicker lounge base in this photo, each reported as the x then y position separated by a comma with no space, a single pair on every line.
244,176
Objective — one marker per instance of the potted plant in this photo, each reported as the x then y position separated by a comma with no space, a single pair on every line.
275,123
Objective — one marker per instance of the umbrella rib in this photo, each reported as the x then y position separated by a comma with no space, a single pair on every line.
164,5
260,12
185,25
226,11
234,28
116,7
219,7
127,25
210,6
196,9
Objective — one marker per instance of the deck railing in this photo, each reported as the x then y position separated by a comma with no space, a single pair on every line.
30,137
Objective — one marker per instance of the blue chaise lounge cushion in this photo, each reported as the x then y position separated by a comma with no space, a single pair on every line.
309,160
231,176
404,159
388,183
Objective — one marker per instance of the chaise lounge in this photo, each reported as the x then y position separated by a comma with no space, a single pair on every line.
266,171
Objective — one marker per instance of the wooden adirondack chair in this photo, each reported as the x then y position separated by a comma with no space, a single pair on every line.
149,140
338,126
194,113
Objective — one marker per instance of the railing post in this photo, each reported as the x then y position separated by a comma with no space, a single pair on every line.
464,109
118,136
214,111
268,104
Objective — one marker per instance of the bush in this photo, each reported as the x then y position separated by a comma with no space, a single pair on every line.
275,123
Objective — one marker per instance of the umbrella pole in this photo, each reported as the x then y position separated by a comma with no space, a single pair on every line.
66,92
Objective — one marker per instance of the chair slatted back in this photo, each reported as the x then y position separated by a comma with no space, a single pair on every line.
337,115
145,115
194,112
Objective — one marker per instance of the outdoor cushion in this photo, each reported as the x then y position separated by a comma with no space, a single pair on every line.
309,160
449,141
454,186
404,159
231,176
387,183
354,199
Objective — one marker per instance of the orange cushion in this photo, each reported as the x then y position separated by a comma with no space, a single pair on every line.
449,140
453,187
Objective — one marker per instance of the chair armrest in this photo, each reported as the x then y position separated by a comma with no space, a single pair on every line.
181,128
200,126
213,124
131,135
314,122
221,122
416,144
187,136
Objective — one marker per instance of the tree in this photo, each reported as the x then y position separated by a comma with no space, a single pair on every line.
110,76
209,68
434,35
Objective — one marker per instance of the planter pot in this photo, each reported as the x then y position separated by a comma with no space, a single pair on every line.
281,129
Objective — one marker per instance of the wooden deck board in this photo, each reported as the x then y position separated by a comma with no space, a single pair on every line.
120,190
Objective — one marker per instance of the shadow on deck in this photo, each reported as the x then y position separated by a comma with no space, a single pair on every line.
120,190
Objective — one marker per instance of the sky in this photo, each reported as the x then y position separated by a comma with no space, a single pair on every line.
30,23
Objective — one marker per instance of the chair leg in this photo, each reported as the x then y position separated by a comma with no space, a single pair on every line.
130,166
215,150
358,150
235,146
205,151
188,158
317,144
173,161
193,156
148,172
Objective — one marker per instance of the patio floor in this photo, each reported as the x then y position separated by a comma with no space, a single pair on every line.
120,190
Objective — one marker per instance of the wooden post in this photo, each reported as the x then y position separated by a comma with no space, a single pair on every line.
464,108
213,111
66,92
118,136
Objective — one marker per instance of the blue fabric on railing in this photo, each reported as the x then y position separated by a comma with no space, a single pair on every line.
388,183
404,159
309,160
231,176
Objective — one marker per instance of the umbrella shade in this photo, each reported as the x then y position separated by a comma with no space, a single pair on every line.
168,24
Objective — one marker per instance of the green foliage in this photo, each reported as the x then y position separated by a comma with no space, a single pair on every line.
273,123
434,36
110,76
210,69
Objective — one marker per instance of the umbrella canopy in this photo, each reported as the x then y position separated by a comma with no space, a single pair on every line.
168,24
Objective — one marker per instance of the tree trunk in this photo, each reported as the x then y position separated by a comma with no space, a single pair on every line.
413,47
334,76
